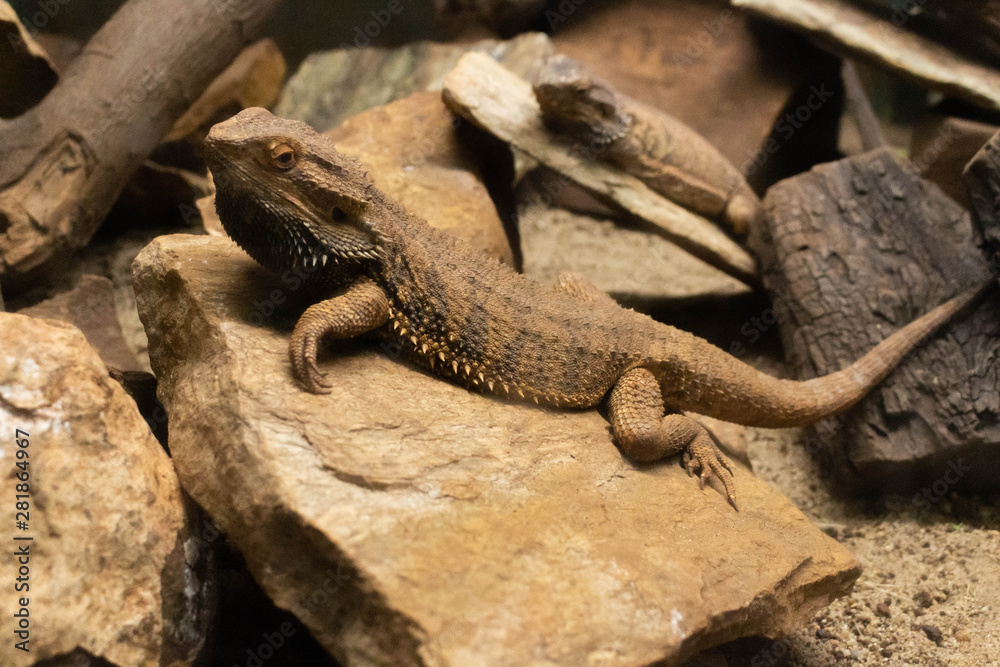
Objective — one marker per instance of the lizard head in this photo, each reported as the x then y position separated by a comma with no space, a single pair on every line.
287,197
575,100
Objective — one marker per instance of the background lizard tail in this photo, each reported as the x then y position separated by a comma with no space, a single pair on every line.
736,392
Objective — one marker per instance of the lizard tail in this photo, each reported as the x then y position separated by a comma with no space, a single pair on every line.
758,399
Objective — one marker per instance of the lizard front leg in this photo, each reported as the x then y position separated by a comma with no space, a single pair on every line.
361,308
637,418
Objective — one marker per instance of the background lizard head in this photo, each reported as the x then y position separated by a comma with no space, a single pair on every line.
287,197
575,100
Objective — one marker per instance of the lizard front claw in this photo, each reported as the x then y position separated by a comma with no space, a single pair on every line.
702,457
303,350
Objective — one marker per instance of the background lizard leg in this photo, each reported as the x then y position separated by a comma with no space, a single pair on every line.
361,308
637,416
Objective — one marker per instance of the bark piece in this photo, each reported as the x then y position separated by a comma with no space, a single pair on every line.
66,161
117,570
447,528
26,72
982,177
852,251
639,269
483,91
90,306
332,86
856,32
942,145
413,150
699,60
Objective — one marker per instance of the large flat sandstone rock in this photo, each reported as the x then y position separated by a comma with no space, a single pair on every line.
117,571
408,521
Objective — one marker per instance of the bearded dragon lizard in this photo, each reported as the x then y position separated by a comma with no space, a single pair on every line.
667,155
290,199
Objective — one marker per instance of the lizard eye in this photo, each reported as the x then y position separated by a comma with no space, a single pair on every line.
283,156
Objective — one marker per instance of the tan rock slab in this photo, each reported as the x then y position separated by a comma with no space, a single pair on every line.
116,568
408,521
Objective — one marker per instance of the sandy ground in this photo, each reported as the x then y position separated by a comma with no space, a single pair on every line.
930,591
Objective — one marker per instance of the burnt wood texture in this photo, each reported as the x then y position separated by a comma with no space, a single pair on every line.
850,251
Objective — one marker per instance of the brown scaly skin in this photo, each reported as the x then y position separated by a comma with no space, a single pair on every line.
288,198
670,157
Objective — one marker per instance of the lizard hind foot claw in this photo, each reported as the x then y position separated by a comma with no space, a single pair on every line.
703,458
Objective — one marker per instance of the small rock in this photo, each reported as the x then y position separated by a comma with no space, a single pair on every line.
408,521
826,633
882,609
118,569
90,306
932,631
963,635
923,599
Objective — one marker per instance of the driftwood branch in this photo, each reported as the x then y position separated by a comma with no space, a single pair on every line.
484,92
853,31
66,161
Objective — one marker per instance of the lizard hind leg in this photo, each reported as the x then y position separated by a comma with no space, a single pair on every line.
644,433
